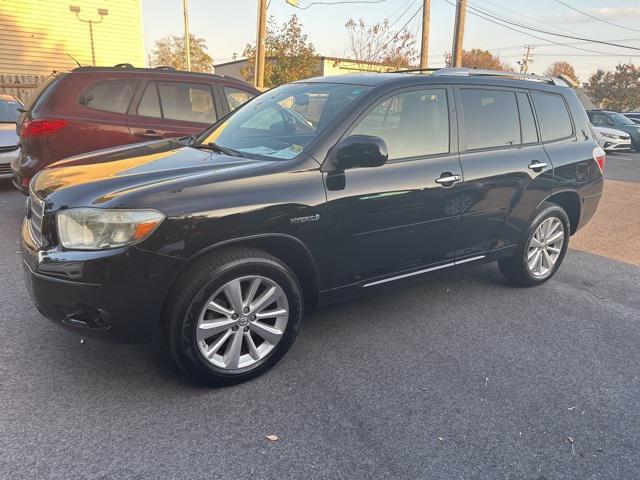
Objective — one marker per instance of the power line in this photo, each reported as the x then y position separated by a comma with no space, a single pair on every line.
596,18
545,32
344,2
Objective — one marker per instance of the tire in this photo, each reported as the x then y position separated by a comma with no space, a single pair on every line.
516,269
185,320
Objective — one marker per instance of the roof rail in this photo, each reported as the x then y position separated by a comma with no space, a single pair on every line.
474,72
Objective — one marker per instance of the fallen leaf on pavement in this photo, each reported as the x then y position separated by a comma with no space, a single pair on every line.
272,438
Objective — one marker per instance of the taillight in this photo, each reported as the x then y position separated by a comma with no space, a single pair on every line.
600,157
35,128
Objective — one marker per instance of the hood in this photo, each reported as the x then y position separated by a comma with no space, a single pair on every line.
8,135
611,131
106,176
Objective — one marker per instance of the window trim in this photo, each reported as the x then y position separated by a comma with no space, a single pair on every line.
204,85
461,127
566,106
453,133
136,85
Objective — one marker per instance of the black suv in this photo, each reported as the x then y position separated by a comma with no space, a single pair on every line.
310,193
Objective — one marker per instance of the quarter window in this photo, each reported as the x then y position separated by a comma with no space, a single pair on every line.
490,118
189,102
553,116
527,122
109,95
150,103
236,97
412,124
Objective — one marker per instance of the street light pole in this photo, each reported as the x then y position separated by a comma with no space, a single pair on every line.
426,17
260,43
103,12
187,35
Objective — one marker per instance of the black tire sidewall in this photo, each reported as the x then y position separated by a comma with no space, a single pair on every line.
190,358
546,212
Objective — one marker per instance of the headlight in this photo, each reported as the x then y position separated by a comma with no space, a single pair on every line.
99,229
609,135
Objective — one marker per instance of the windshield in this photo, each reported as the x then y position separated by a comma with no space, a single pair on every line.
9,110
620,119
282,122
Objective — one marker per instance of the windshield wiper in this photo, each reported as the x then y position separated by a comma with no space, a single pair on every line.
214,147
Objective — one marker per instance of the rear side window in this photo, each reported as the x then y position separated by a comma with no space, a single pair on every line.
490,118
41,94
109,95
527,122
236,97
553,116
189,102
150,103
412,124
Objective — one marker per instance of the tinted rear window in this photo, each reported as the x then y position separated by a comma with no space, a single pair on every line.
43,92
553,116
490,118
109,95
527,122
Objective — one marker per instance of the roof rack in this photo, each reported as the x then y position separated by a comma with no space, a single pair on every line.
474,72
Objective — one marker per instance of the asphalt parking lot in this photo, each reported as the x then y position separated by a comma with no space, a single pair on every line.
455,377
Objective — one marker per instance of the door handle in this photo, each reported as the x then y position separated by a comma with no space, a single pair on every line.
447,179
537,166
149,133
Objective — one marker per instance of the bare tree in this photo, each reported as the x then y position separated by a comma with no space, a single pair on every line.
380,44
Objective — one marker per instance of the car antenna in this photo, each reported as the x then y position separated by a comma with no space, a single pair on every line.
77,62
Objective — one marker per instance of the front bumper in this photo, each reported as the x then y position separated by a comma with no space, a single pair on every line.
115,295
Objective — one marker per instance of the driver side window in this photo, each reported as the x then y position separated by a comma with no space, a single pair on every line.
412,124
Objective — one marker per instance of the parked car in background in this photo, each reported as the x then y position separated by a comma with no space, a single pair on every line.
92,108
611,139
314,192
606,118
634,116
9,147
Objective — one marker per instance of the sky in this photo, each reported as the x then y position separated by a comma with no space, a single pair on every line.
228,25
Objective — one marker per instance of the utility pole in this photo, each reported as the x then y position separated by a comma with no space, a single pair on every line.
424,50
458,33
527,60
187,35
260,43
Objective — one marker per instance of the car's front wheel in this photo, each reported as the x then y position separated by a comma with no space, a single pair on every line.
540,252
232,316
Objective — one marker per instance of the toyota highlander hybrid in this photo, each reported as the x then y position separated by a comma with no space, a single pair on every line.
311,193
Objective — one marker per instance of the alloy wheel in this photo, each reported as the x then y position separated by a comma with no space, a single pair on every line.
242,322
545,247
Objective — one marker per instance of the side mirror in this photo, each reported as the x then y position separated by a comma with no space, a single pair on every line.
361,151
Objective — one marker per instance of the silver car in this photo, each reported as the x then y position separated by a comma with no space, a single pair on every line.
9,148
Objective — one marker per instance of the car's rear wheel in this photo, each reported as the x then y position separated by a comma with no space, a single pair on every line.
541,250
232,316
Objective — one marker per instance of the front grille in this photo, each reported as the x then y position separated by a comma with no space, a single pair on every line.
35,222
5,169
10,148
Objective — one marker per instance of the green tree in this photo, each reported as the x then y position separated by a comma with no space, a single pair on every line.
169,51
378,43
616,90
290,54
562,68
481,59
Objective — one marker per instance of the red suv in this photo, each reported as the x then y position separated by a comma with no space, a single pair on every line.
92,108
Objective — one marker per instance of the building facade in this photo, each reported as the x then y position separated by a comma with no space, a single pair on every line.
40,36
326,66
